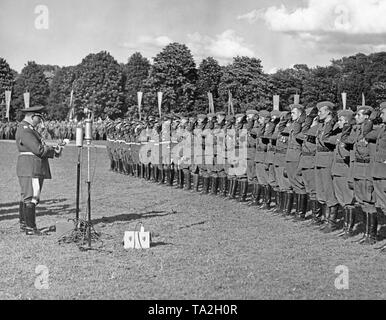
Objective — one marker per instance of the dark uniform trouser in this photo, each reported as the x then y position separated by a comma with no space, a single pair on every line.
30,189
292,172
344,194
308,180
324,186
380,193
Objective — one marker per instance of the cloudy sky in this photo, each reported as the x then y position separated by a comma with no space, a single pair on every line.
279,32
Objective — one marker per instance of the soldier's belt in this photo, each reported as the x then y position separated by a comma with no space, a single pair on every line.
308,153
26,154
362,160
320,149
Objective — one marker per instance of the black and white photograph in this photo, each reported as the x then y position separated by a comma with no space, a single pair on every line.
206,152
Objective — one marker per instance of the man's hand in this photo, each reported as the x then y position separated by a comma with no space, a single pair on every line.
58,151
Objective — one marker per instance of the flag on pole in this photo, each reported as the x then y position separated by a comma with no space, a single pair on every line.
139,97
363,99
296,99
26,99
159,94
7,102
276,99
344,100
72,111
211,104
230,104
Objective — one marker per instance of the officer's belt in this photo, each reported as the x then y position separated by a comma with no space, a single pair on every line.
362,160
26,154
320,149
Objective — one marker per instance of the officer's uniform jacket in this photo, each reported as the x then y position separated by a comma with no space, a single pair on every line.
261,144
308,153
281,143
379,165
294,145
34,153
268,133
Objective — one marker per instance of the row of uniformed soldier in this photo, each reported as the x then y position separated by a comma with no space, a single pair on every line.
314,159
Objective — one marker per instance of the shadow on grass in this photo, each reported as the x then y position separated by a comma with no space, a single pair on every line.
55,210
160,243
16,203
132,216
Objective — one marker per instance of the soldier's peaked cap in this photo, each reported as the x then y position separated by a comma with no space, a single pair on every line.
275,113
346,113
230,117
264,113
322,104
240,115
296,106
251,111
201,116
365,108
211,115
35,109
221,113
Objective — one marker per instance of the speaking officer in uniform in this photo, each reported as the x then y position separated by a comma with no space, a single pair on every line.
32,166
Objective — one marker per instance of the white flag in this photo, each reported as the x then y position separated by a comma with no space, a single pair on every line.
139,97
159,94
276,99
26,99
296,99
344,99
230,103
7,102
363,99
211,104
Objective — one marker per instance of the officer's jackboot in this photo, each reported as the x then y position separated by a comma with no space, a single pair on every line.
267,197
345,222
21,216
162,176
230,186
301,209
243,190
279,203
332,220
289,204
350,216
30,219
168,176
372,227
187,180
171,177
214,186
205,185
111,165
326,214
225,186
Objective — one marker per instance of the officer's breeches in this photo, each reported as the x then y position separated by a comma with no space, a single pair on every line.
283,182
262,173
30,189
308,180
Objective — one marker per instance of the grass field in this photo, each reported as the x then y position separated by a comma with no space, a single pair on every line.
204,247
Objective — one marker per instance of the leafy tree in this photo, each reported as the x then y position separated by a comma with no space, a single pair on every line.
59,99
6,81
136,72
33,80
250,87
173,73
209,76
100,85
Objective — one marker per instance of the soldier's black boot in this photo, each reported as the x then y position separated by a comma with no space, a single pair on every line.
233,190
171,177
317,212
205,185
111,165
187,180
162,176
267,197
214,186
372,227
243,190
181,179
350,216
230,187
155,170
279,203
301,208
253,195
195,182
289,204
22,217
345,223
326,214
332,224
366,231
225,186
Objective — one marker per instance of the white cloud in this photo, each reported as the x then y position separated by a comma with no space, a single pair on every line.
145,42
345,22
222,47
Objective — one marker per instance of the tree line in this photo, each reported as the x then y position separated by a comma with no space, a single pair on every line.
110,89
